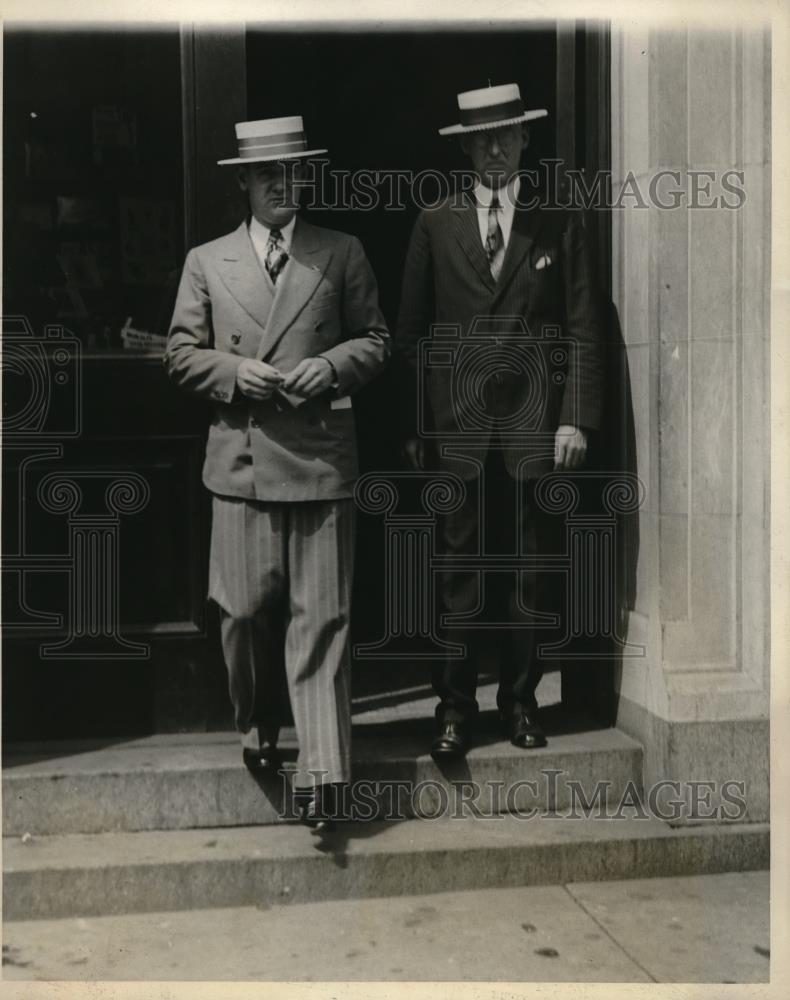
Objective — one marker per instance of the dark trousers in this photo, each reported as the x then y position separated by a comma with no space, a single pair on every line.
501,521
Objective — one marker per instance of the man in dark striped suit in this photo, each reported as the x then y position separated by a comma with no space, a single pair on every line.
278,324
512,382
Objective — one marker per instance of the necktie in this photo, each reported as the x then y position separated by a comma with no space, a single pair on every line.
495,243
276,255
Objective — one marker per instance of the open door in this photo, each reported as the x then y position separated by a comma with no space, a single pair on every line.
376,99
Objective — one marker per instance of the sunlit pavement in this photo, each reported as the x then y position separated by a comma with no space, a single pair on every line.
707,928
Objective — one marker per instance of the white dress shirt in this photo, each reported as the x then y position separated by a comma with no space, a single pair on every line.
259,234
507,196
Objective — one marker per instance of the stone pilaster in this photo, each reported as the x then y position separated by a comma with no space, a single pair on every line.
691,284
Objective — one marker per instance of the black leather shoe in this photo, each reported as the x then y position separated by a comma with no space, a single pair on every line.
525,731
451,742
317,812
266,760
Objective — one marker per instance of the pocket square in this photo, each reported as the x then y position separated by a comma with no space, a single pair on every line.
544,261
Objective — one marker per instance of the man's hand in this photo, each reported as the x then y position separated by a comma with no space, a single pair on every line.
570,447
414,452
310,377
256,379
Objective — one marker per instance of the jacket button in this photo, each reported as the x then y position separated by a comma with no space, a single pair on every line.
235,337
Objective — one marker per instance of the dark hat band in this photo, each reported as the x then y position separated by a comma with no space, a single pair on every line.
492,113
285,142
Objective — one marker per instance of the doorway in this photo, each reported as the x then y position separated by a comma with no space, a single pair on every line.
375,100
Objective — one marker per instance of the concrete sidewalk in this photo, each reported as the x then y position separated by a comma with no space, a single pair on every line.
707,928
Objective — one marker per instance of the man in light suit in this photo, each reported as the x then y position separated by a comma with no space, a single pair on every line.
277,324
514,395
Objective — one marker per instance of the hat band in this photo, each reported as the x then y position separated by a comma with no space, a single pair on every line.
492,113
286,142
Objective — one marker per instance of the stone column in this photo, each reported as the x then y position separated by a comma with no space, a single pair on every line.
691,285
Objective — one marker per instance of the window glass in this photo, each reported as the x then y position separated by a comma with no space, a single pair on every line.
93,178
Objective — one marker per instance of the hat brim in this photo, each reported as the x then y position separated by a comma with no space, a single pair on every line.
526,117
238,160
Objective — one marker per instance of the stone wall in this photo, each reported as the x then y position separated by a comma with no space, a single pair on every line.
691,285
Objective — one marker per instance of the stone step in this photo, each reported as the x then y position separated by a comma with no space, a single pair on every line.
114,873
198,780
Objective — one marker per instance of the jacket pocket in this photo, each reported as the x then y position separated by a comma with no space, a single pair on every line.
323,300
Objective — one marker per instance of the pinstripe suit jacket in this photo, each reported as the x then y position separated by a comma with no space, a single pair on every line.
326,303
525,355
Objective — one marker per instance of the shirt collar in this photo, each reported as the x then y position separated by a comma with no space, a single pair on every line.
507,195
260,233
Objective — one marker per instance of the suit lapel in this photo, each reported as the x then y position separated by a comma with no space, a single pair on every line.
295,286
522,236
243,276
467,232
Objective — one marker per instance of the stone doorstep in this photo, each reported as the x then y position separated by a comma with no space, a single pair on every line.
166,783
115,873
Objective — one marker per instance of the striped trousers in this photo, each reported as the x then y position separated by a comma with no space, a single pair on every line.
281,574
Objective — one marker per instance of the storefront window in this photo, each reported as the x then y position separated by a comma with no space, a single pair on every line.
93,175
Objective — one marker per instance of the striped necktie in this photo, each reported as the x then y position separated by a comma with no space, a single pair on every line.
495,243
276,254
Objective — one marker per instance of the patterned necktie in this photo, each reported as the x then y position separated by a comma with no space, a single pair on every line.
495,243
276,255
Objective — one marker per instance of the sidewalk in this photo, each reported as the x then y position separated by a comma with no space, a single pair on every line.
706,928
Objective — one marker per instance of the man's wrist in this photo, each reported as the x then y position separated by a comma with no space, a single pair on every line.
335,383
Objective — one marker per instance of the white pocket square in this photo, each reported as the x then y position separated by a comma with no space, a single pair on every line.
544,261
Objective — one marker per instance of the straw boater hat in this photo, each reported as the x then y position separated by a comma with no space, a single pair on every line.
271,139
491,107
